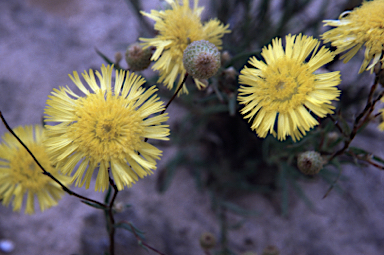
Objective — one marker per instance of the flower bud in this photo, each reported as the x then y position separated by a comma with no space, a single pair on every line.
270,250
201,59
207,241
310,162
138,58
225,57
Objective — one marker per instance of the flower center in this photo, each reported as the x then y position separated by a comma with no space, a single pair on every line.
286,85
106,127
183,26
25,171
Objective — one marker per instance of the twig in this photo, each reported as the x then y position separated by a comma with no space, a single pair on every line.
365,115
177,92
141,240
367,160
70,192
172,98
357,124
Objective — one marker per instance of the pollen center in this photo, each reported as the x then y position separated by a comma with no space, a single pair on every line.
106,127
25,171
287,84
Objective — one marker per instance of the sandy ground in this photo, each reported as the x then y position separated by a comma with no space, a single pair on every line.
41,42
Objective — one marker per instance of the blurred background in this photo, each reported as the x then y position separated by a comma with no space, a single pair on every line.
215,174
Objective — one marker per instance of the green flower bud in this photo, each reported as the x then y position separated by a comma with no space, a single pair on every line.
310,162
201,59
138,58
207,241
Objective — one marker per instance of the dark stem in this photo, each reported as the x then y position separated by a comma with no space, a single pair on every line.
141,240
111,220
70,192
177,92
365,117
173,97
365,114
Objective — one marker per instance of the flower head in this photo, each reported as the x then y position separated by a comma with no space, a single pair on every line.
106,128
201,59
20,175
286,88
364,26
178,27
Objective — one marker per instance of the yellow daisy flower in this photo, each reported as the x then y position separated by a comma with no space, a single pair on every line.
381,126
364,26
20,175
178,27
286,88
106,128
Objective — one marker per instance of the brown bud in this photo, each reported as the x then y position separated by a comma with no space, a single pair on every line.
207,241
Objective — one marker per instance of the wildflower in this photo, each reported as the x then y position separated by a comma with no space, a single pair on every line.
20,175
178,27
286,88
106,128
364,26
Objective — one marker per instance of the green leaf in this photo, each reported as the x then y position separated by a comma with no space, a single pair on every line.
131,228
106,59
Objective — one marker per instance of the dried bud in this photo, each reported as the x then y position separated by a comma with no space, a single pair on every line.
138,58
310,162
207,241
225,57
201,59
270,250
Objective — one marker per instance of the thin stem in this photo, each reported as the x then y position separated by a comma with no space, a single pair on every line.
367,160
141,240
111,219
177,92
363,115
173,97
70,192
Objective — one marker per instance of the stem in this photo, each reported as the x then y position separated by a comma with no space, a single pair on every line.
365,115
141,240
45,172
173,97
111,220
177,92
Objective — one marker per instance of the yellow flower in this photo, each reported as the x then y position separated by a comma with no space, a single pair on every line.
381,126
19,174
177,28
364,26
286,88
106,128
